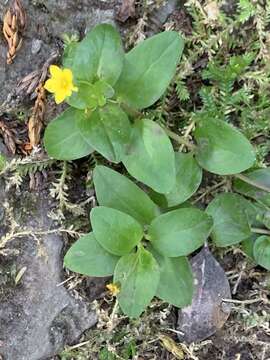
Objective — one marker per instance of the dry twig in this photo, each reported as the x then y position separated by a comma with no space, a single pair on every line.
29,84
35,122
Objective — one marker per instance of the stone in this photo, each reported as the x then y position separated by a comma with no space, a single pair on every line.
207,312
36,46
38,316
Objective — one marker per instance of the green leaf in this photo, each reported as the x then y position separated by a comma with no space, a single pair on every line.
88,257
231,219
262,251
99,56
69,54
83,98
176,280
116,191
138,276
148,69
188,179
180,232
108,131
90,96
221,148
63,139
150,156
116,231
262,178
247,245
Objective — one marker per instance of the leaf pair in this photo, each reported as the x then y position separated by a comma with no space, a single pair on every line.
126,212
235,217
108,79
176,233
76,133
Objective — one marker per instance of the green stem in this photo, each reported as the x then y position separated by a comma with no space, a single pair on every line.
131,111
179,139
247,180
260,231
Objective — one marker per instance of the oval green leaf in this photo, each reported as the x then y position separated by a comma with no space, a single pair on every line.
150,156
262,251
221,148
118,192
247,245
116,231
176,280
63,139
86,256
261,177
138,276
99,55
108,131
180,232
148,69
188,179
231,219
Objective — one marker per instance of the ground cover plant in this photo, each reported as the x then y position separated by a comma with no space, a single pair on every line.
158,152
131,237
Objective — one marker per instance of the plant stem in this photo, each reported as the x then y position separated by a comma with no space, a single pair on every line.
260,231
249,181
131,111
179,139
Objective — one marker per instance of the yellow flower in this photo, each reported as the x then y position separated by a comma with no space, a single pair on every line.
60,83
113,289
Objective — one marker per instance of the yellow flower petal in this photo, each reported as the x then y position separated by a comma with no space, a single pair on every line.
67,73
50,85
60,83
60,97
55,71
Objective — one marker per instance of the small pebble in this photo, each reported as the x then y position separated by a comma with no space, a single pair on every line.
36,46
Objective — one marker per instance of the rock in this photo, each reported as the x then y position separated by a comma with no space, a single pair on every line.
161,14
38,317
208,312
47,21
36,46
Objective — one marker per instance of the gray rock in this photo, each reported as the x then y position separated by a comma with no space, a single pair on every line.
208,312
160,15
36,46
38,317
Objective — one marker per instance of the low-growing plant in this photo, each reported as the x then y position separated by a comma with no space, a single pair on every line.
144,249
142,239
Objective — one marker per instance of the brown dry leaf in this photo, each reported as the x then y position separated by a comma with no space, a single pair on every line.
35,122
127,10
13,25
29,84
9,136
171,346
